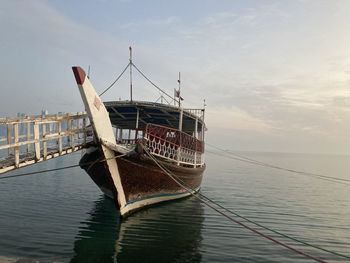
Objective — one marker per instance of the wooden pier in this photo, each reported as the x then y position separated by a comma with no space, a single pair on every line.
26,140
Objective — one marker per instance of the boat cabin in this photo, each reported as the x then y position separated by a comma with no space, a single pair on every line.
172,133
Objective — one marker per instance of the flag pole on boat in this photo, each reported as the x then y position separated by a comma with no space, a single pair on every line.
178,93
130,64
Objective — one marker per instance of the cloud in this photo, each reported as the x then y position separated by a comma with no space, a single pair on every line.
236,119
39,44
274,70
160,22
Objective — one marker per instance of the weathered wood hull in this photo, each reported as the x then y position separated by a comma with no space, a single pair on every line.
134,180
143,182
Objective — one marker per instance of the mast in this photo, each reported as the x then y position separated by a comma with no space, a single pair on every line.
203,123
179,92
130,65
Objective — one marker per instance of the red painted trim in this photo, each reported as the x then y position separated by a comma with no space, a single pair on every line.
79,75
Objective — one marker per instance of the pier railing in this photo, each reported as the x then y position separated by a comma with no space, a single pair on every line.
26,140
174,145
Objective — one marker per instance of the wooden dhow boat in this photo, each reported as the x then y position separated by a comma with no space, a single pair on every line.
143,152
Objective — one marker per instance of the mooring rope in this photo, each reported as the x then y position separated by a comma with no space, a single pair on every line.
231,155
324,178
182,184
61,168
277,232
267,228
192,192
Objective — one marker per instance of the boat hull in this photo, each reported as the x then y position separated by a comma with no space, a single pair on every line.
143,182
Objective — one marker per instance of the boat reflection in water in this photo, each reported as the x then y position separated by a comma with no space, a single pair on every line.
168,232
95,241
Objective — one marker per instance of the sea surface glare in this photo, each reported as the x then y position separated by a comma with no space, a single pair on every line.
63,217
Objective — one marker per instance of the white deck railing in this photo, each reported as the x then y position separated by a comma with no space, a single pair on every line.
174,145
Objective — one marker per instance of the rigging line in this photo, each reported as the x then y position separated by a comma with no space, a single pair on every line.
278,168
192,192
39,172
240,158
294,171
110,86
277,232
150,81
61,168
262,226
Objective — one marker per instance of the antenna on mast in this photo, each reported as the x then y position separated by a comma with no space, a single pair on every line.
88,75
130,65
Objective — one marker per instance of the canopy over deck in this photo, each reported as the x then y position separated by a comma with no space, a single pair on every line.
126,115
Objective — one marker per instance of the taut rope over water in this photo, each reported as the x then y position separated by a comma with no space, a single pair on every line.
61,168
209,204
241,158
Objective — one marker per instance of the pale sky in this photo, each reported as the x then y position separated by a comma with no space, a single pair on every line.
275,74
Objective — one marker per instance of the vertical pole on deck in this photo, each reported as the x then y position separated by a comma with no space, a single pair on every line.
195,136
203,130
16,148
179,81
203,112
43,126
37,141
180,119
137,123
196,129
180,136
130,63
120,135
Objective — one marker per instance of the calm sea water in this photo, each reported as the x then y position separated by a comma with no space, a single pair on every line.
63,217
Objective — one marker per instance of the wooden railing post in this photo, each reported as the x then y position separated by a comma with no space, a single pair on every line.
84,130
9,137
16,148
44,141
69,130
37,141
59,130
28,136
49,128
